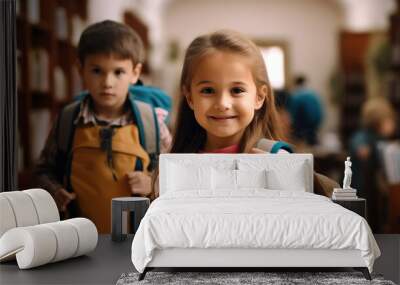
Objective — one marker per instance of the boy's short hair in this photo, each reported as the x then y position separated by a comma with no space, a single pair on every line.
110,37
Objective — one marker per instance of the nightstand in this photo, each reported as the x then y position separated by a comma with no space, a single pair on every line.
358,206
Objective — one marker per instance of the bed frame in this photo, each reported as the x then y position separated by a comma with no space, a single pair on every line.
246,258
241,259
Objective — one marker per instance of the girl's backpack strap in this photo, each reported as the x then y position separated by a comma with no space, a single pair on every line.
272,146
281,145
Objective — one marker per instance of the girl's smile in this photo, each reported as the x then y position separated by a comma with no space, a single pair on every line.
222,118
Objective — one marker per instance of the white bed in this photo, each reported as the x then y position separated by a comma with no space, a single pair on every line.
247,211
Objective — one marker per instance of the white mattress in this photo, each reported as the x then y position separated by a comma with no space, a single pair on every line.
252,218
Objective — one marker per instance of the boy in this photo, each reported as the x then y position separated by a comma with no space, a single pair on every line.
99,147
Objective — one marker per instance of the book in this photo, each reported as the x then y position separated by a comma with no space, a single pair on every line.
34,11
344,198
40,123
345,194
61,23
341,190
60,84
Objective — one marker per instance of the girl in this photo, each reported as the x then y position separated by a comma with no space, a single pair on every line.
226,102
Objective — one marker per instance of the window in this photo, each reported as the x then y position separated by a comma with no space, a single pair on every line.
275,58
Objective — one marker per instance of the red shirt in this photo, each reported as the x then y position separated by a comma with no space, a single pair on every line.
229,149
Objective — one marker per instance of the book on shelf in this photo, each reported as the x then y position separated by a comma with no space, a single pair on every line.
40,126
78,25
34,11
39,69
61,23
77,85
60,84
18,7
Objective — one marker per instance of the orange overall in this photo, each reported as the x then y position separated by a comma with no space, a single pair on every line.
91,176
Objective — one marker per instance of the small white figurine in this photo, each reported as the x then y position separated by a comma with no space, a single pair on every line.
347,174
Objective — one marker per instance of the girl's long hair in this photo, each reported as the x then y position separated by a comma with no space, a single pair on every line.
189,136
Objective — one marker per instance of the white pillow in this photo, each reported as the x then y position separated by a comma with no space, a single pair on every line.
292,179
224,179
188,177
252,178
283,172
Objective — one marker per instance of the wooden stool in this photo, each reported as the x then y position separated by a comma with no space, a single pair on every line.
136,205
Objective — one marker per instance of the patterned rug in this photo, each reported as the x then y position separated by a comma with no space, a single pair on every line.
242,278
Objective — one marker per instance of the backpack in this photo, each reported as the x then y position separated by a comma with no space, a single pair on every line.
142,103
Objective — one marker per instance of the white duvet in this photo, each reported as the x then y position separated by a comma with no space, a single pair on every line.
253,218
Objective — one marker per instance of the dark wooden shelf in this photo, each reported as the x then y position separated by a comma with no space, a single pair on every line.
62,103
41,100
353,47
40,28
25,179
42,35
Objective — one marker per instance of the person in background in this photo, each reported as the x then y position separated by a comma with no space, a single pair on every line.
306,112
378,123
99,147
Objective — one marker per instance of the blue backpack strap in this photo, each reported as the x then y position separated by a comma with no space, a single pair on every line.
153,96
149,134
272,146
281,145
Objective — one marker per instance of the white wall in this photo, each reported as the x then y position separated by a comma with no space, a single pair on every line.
99,10
310,27
149,11
367,15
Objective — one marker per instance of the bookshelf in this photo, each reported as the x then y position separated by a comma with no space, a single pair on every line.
353,48
47,78
394,83
394,97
